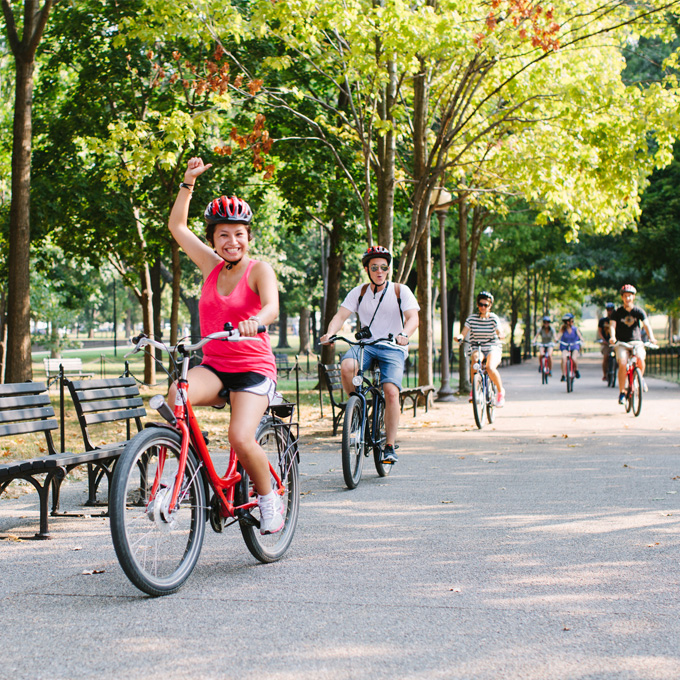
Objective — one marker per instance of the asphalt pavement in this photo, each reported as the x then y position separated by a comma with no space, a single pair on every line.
544,546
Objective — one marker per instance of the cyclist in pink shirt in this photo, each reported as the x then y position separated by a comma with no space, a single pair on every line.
243,292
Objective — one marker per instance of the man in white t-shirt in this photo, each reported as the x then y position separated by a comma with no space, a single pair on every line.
384,308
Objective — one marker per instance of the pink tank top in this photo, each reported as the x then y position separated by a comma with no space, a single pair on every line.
215,310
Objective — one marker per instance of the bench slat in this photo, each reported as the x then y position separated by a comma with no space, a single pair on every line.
63,459
14,389
110,404
28,427
66,363
104,383
112,416
26,414
112,392
7,403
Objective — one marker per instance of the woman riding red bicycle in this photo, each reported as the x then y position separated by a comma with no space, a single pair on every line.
237,288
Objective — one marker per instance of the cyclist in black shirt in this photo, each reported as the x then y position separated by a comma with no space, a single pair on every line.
625,327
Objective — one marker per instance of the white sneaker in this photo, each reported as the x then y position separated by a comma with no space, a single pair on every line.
271,513
500,399
644,387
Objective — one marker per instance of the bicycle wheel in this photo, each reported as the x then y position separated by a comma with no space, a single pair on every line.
378,436
611,371
570,375
478,398
352,442
490,401
156,548
544,371
282,453
636,393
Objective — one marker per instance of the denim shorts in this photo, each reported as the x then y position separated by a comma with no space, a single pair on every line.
389,359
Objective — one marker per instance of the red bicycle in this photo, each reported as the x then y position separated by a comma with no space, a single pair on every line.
635,385
570,370
161,482
543,366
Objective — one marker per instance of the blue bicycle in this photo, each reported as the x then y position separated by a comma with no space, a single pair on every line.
363,429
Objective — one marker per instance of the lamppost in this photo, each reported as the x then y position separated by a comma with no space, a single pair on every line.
441,201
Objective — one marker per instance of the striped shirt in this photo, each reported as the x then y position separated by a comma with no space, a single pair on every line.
483,331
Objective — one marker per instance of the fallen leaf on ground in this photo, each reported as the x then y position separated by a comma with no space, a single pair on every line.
89,572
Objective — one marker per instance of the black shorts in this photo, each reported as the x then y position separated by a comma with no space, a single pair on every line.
236,382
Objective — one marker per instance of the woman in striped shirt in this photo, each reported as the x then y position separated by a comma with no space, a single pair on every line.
485,328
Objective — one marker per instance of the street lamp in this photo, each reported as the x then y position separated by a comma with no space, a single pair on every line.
441,200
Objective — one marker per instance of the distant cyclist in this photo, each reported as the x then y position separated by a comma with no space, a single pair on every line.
626,324
570,339
484,327
604,332
384,308
545,338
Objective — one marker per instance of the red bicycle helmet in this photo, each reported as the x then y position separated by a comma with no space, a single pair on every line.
374,252
627,288
228,209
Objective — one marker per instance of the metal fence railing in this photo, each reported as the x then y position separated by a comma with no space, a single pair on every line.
664,362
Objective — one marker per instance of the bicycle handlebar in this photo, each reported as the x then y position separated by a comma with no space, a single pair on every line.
141,341
389,339
632,345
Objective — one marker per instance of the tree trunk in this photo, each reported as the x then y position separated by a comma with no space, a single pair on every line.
335,263
283,326
156,293
424,291
303,330
176,284
18,359
386,153
465,288
19,299
527,317
147,321
3,334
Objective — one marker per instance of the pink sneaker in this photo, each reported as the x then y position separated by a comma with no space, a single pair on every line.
500,399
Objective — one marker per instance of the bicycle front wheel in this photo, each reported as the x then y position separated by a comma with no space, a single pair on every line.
478,399
544,372
156,547
379,438
490,401
353,442
570,375
636,393
281,448
611,371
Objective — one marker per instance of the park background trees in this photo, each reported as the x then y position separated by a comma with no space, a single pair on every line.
340,122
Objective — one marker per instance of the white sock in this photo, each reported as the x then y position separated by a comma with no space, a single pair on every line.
267,498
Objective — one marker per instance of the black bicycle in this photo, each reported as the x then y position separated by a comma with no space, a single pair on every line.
363,429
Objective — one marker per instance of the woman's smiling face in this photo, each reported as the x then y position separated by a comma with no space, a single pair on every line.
231,241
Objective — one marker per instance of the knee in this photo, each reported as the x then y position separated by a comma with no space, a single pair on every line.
391,392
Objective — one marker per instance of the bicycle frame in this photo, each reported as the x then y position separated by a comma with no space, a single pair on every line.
184,420
365,387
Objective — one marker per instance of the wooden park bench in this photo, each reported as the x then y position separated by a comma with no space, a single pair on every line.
99,402
283,364
415,394
72,368
25,409
329,378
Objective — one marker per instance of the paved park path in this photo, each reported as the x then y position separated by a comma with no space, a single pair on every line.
545,546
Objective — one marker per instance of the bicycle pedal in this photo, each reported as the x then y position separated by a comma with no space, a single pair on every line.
245,517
